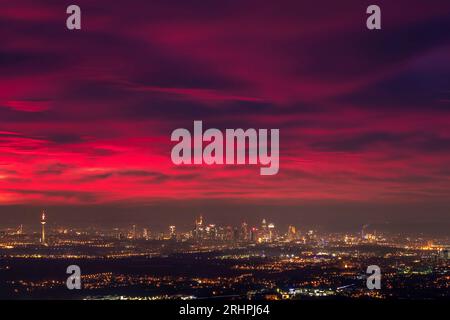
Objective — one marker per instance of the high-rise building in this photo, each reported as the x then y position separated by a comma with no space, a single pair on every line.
211,232
264,232
253,234
43,222
292,233
244,232
363,231
133,232
199,228
271,232
445,253
235,234
199,221
229,233
264,225
145,234
172,231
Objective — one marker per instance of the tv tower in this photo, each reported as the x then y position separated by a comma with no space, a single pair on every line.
43,227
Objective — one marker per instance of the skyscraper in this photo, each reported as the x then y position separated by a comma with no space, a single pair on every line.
133,232
264,225
292,233
145,234
198,230
271,232
172,232
244,231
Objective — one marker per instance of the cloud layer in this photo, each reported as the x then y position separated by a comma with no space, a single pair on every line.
86,115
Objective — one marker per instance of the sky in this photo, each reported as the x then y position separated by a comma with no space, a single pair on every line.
364,116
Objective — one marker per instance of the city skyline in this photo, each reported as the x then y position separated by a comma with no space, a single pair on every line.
200,223
213,261
204,231
347,218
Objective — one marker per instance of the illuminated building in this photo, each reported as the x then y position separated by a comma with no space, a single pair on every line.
253,234
363,229
211,231
292,233
444,253
43,241
145,234
198,229
172,232
244,232
264,225
229,233
264,234
133,233
199,221
235,234
271,233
